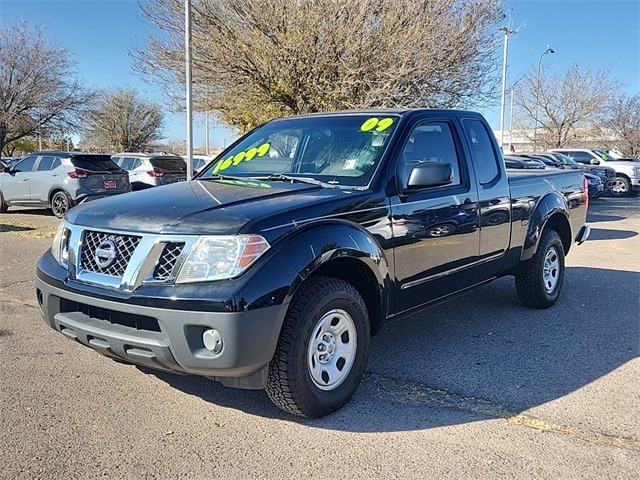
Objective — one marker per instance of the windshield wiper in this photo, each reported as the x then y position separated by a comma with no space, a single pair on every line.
279,177
217,176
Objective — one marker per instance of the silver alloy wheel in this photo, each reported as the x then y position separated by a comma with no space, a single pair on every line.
332,349
621,187
551,272
60,204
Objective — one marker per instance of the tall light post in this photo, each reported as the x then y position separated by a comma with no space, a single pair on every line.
535,115
507,33
189,106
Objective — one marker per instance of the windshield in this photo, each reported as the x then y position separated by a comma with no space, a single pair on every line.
338,149
603,155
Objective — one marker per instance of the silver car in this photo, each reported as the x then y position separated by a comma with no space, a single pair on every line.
151,169
60,180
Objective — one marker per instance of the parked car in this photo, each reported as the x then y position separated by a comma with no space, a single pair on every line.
596,187
548,159
151,169
607,174
60,180
514,162
627,172
199,161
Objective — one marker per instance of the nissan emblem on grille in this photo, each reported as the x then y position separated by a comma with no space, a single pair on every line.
106,253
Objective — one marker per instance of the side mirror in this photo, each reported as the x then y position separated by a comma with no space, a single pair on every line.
6,169
430,174
593,161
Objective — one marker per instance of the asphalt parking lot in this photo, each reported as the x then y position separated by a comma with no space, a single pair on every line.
477,387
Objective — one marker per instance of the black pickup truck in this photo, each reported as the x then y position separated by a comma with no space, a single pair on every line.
275,265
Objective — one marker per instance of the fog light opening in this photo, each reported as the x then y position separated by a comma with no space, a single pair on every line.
212,340
40,298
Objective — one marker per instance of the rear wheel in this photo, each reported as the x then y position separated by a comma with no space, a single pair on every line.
60,203
539,280
323,349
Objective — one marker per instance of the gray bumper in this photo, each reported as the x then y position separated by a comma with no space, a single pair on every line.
170,340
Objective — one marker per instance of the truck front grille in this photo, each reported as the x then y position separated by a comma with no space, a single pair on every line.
95,243
139,322
168,258
124,261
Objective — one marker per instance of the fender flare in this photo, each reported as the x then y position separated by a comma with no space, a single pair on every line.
552,205
321,244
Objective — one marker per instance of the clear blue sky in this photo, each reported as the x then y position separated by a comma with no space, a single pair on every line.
595,34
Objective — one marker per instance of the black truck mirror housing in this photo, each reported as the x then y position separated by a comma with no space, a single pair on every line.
430,174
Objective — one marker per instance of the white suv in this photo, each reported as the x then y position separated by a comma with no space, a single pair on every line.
151,169
627,171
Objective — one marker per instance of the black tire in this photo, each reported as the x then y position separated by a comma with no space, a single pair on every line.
539,280
60,203
314,372
3,206
622,187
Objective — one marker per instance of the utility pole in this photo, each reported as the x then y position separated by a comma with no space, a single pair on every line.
535,114
507,33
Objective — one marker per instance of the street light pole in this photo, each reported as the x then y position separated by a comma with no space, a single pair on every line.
507,32
535,115
189,106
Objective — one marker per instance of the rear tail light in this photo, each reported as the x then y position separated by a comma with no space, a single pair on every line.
157,172
79,173
585,192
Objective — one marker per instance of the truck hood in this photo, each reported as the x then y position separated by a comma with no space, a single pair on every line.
219,207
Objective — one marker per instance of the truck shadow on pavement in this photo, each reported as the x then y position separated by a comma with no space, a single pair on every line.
479,356
604,234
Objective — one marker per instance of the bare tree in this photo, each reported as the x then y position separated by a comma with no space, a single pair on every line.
554,111
38,90
121,121
257,59
620,126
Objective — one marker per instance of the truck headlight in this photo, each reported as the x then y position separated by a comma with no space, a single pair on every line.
636,170
221,257
59,243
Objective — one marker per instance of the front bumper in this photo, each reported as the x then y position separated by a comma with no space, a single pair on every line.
144,331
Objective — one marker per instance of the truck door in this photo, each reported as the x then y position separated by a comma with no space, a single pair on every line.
494,197
435,230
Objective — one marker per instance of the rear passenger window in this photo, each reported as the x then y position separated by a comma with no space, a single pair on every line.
46,163
126,163
484,156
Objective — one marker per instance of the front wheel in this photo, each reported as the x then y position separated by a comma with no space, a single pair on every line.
622,187
323,349
3,206
539,280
